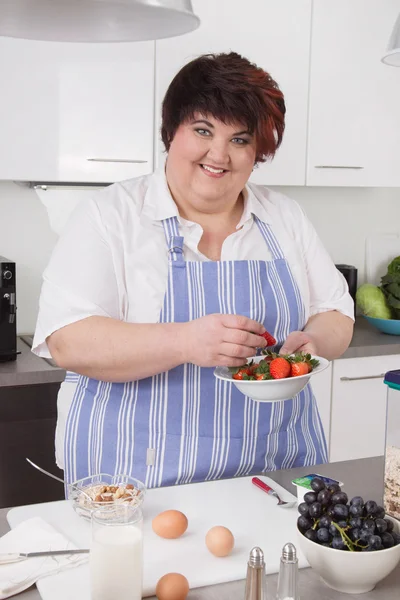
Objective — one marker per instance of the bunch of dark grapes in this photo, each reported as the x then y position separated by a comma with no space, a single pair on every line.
328,518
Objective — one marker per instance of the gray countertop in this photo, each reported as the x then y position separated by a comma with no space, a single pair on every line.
364,477
368,341
29,369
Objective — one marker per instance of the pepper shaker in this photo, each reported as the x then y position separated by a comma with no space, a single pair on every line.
288,588
256,584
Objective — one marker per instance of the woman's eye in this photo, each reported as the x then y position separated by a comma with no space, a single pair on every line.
204,132
240,141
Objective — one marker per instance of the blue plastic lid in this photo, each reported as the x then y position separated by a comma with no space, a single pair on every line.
392,379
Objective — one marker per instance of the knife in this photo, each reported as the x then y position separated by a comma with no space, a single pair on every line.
17,556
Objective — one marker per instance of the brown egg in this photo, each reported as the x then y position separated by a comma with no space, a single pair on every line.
172,586
220,541
170,524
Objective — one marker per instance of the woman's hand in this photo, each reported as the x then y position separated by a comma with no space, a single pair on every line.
299,341
222,340
326,334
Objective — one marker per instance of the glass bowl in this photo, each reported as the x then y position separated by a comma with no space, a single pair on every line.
104,491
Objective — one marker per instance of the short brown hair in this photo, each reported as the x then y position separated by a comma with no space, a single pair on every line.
231,89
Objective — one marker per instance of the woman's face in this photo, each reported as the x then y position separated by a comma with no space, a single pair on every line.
210,161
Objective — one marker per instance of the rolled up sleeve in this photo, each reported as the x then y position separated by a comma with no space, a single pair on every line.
328,288
79,281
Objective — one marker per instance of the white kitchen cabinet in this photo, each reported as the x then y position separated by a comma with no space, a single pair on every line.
274,35
358,413
76,112
354,123
321,384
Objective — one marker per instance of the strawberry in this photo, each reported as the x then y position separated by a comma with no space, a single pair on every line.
299,368
241,374
279,368
271,341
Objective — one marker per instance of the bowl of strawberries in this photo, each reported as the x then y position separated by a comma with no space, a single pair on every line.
273,377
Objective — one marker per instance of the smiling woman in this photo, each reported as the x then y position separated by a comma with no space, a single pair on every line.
182,271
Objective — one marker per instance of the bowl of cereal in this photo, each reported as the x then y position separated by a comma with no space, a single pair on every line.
102,491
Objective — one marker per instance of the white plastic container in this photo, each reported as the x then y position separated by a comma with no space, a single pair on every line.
303,484
392,446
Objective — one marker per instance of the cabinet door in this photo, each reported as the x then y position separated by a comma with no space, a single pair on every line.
321,384
274,35
76,112
358,418
354,98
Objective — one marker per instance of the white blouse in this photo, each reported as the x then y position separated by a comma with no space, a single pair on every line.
111,259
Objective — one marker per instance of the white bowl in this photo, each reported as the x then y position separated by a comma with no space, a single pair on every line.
350,572
271,390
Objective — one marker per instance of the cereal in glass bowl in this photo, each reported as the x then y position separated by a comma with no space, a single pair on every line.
102,491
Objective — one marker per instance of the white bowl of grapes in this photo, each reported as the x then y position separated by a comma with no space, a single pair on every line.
351,543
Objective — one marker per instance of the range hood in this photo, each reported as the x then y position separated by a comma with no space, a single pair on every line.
96,20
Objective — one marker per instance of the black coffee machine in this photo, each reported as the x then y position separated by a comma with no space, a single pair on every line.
350,274
8,311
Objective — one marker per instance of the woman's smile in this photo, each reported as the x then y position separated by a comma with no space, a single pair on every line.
211,171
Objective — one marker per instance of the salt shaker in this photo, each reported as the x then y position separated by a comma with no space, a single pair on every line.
288,588
256,584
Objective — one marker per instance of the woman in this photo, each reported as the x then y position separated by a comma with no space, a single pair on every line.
161,278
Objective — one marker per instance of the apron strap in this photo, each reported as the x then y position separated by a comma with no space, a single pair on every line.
270,239
174,240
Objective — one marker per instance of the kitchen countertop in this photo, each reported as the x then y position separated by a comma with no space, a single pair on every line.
29,369
368,341
364,477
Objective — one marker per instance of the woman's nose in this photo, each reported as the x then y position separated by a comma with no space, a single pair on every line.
218,152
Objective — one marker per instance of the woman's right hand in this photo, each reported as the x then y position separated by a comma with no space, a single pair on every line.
222,340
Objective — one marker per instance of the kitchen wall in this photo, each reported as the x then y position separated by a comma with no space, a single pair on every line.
343,218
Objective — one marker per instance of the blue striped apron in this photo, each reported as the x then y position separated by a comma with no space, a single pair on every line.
185,425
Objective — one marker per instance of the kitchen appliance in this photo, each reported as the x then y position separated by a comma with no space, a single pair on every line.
392,445
350,272
8,310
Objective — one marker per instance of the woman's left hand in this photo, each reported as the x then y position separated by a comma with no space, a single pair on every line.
299,341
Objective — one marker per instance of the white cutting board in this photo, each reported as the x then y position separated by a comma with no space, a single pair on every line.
252,515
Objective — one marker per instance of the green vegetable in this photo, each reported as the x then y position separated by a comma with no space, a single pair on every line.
372,302
394,266
390,286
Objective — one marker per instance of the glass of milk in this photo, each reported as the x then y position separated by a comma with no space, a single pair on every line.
116,555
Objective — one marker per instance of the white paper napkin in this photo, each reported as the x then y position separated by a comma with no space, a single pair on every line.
34,535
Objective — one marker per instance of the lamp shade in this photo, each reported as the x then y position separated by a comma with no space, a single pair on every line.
96,20
392,56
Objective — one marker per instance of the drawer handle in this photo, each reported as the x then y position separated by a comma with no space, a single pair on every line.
361,378
117,160
337,167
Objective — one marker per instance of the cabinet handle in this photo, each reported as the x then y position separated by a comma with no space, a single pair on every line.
361,378
117,160
336,167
